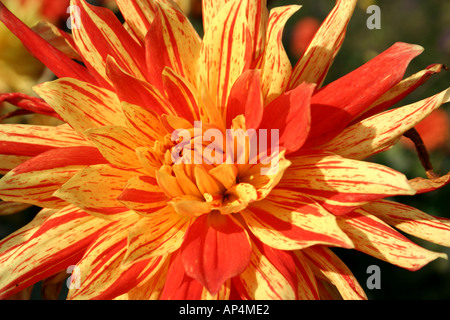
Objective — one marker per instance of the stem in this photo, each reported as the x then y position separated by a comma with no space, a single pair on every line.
422,152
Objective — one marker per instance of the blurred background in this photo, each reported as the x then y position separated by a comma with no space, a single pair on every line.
426,23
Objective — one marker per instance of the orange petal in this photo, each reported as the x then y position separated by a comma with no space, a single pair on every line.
216,249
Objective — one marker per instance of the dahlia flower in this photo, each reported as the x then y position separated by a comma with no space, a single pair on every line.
224,223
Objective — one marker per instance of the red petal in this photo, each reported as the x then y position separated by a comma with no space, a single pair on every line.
334,106
178,285
54,59
246,98
216,248
135,91
290,113
26,102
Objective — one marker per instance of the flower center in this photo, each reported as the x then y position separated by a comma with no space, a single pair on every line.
206,171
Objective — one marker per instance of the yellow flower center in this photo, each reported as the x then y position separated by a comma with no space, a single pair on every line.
209,169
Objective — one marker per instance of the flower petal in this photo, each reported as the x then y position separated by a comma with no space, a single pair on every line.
57,244
101,275
135,91
21,142
318,57
54,59
335,271
100,106
358,90
380,132
171,41
225,53
276,65
286,220
401,90
95,189
35,180
422,185
143,195
179,286
216,248
245,98
138,15
116,144
340,184
181,95
270,275
374,237
412,221
143,123
100,34
156,235
290,114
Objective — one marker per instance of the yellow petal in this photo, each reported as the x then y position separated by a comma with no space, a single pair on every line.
380,132
318,57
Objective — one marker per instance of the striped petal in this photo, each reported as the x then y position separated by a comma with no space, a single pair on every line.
412,221
138,15
21,142
143,195
320,53
335,271
225,52
340,184
374,237
95,189
12,242
57,244
216,248
55,60
307,284
286,220
116,144
401,90
100,106
358,90
101,34
57,38
380,132
143,123
35,180
171,42
135,91
160,234
422,185
101,273
270,275
276,65
181,95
